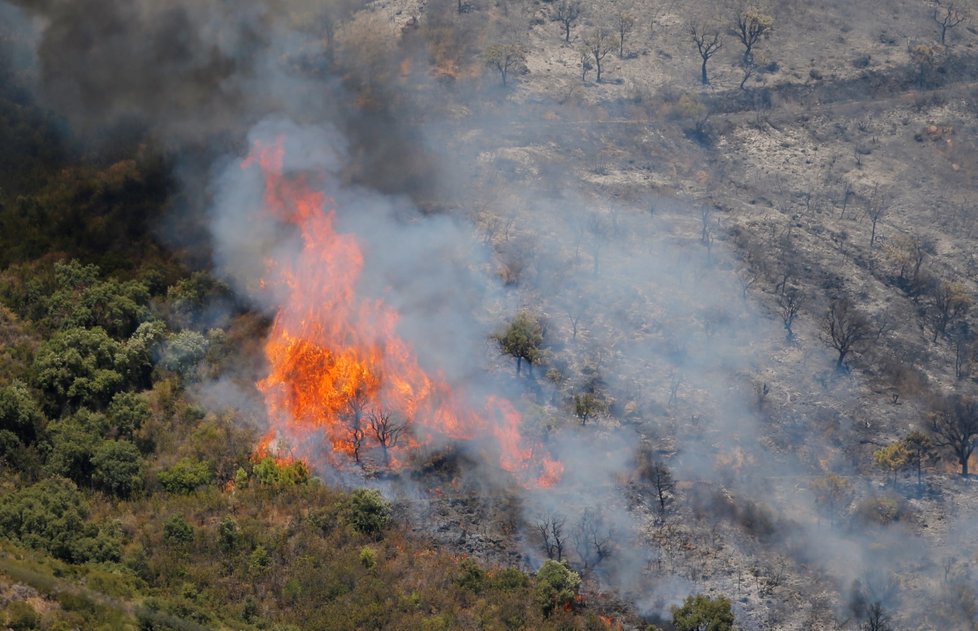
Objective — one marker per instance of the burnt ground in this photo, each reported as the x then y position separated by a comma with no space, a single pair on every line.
652,212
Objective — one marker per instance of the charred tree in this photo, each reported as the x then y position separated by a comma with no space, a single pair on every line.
708,43
551,531
846,329
949,302
592,540
750,26
789,302
567,12
955,426
657,476
353,418
387,431
948,15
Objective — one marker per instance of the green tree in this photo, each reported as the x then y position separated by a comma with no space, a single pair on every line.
126,414
135,360
189,297
586,405
183,351
228,535
522,339
117,468
74,441
702,613
19,412
78,368
892,458
82,299
556,586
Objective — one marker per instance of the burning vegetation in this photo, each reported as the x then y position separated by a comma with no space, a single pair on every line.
340,376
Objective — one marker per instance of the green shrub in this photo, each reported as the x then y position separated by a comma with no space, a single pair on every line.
471,577
883,509
509,579
370,514
368,557
228,535
186,476
53,516
702,613
269,472
177,530
20,616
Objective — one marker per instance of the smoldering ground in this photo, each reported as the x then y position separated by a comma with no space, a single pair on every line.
645,313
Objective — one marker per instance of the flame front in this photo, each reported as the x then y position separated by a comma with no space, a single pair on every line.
336,361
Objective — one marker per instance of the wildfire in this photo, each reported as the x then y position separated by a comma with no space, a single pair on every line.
338,368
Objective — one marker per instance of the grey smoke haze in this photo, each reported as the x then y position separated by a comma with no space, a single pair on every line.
655,307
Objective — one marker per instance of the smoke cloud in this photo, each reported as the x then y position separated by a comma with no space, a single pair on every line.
644,311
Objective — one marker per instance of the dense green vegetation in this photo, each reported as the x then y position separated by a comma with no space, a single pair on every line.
123,504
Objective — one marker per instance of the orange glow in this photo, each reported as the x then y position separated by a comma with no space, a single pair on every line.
335,358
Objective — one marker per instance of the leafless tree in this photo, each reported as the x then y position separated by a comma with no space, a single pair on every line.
706,214
876,618
592,540
353,418
575,307
657,476
750,26
948,15
599,41
847,192
624,22
748,68
387,430
708,43
846,329
675,381
586,65
505,57
551,530
949,302
954,425
789,303
963,339
875,210
909,253
920,451
567,12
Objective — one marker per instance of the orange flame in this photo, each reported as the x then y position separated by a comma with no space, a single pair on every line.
335,358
